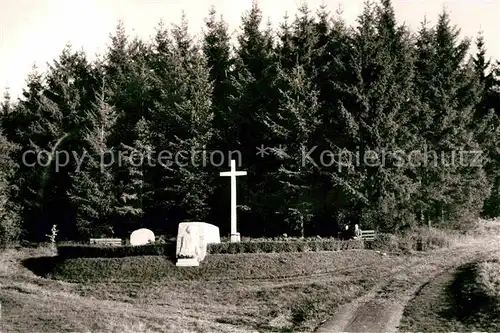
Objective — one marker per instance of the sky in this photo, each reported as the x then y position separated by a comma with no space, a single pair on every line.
35,31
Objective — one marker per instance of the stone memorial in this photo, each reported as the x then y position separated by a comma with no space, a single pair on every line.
357,232
141,237
192,241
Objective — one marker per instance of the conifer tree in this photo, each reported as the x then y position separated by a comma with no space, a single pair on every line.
135,190
253,99
182,121
295,123
487,124
40,133
217,51
447,89
72,84
92,193
347,93
6,105
374,108
10,223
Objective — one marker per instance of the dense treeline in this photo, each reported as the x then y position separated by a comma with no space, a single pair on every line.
372,124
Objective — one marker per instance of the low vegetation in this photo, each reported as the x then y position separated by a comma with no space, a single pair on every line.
488,280
153,262
466,299
217,266
100,251
291,245
168,249
417,239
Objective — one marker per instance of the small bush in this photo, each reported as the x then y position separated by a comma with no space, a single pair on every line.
426,239
419,239
488,279
385,242
475,291
298,245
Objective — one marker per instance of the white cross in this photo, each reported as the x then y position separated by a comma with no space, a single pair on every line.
233,173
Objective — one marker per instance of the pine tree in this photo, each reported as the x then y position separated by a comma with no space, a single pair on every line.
10,219
295,123
487,124
447,88
373,112
92,193
253,99
217,51
135,190
182,123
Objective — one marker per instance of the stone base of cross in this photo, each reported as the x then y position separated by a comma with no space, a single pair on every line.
235,236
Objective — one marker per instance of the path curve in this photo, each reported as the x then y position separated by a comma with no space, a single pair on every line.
381,309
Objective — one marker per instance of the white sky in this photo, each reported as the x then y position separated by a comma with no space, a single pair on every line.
35,31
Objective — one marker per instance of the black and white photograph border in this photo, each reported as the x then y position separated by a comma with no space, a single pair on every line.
249,166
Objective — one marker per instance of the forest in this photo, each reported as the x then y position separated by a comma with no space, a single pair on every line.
371,124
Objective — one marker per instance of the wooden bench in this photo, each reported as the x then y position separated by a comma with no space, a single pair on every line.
368,235
106,241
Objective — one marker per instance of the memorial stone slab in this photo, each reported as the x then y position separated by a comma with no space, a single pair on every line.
192,241
141,237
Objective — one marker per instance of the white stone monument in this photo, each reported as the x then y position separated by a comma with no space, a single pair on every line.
235,236
192,241
141,237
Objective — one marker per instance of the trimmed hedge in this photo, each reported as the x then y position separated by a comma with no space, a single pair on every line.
168,249
96,251
296,245
216,267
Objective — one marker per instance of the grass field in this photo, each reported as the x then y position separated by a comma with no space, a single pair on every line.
228,293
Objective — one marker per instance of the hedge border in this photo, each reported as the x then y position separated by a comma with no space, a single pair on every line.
99,251
168,249
285,246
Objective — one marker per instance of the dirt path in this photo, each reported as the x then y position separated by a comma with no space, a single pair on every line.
381,309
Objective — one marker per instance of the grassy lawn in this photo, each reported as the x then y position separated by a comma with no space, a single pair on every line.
244,292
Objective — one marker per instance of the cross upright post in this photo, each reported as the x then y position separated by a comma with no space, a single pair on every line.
235,236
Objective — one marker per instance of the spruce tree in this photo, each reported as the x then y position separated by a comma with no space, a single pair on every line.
10,225
447,88
374,109
251,102
135,189
295,123
487,124
182,123
217,49
92,193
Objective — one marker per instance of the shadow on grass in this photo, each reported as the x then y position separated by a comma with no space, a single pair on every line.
41,266
248,323
467,304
